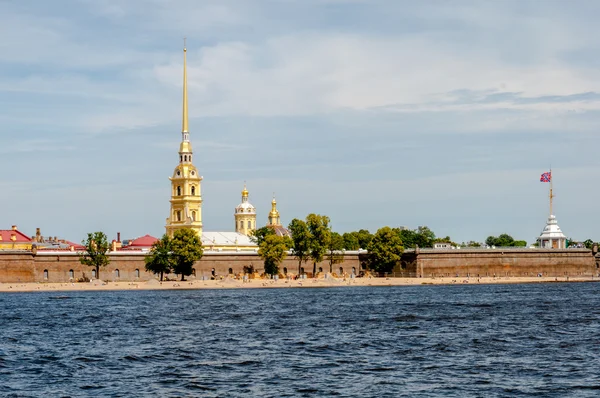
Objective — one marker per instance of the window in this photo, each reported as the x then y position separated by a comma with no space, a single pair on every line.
241,225
249,224
137,273
178,191
178,215
45,274
117,273
193,189
230,271
71,274
193,216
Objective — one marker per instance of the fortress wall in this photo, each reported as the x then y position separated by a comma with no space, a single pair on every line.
25,267
498,262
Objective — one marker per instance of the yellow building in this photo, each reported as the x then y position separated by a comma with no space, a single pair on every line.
186,198
245,215
13,239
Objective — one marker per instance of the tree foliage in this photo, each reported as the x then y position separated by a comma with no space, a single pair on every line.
186,248
335,253
385,250
160,261
504,240
422,237
273,250
351,241
96,249
258,235
300,241
320,235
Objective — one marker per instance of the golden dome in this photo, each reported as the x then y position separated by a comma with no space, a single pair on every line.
245,192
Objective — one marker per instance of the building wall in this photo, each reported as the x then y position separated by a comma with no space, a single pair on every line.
25,267
498,262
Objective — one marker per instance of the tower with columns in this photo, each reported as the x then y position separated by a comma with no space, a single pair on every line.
245,215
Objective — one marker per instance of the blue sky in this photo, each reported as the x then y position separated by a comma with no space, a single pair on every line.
438,113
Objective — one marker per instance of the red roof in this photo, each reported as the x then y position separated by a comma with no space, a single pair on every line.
144,241
20,237
75,246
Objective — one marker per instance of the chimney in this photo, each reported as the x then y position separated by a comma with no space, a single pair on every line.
14,227
118,237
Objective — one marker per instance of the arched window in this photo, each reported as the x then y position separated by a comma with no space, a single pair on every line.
180,159
249,224
241,224
185,158
193,190
193,216
178,191
45,274
178,215
117,273
137,273
71,274
230,271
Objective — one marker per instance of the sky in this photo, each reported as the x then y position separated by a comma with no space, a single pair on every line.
374,113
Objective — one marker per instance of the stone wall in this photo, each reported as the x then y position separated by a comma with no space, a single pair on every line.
63,266
126,266
498,262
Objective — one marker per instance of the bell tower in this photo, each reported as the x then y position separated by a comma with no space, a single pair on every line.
186,198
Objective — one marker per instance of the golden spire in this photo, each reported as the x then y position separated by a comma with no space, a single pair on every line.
185,99
245,191
274,213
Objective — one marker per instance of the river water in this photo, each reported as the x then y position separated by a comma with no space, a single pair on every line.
454,341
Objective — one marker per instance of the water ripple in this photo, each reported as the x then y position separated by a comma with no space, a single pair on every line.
529,340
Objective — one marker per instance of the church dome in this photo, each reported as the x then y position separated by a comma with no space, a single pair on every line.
245,207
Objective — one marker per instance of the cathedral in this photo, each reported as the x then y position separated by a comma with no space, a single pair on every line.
186,199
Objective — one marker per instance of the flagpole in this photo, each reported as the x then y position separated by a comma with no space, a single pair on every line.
551,195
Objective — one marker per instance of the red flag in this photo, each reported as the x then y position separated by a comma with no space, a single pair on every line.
546,177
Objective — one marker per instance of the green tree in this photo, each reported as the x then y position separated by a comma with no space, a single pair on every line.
425,237
186,248
351,241
96,249
364,238
160,260
300,241
258,235
504,240
385,250
335,253
409,237
320,235
472,243
273,250
588,243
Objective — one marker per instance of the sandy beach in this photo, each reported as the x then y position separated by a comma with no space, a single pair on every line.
230,283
